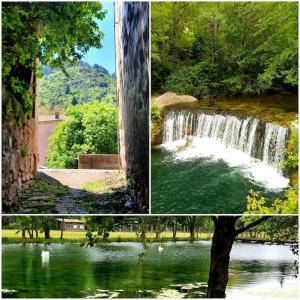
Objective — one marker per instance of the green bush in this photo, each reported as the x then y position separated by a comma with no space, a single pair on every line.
198,80
90,128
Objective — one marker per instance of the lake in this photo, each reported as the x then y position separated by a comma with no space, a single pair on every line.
114,270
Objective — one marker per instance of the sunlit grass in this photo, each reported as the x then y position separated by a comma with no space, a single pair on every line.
96,187
10,235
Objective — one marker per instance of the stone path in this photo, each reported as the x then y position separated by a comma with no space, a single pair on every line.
61,192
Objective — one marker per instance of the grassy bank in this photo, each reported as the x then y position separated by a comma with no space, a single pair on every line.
10,236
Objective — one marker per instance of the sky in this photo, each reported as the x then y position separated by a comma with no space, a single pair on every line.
106,55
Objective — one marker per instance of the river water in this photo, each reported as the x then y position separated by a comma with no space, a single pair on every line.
184,182
114,270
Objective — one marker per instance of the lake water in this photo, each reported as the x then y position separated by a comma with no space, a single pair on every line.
184,182
113,269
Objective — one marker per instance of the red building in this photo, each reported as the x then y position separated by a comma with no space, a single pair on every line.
46,127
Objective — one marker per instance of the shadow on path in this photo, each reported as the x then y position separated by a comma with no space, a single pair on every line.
63,192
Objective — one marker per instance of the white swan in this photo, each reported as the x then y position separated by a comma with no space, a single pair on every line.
160,248
45,254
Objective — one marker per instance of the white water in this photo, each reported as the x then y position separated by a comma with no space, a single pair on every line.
236,141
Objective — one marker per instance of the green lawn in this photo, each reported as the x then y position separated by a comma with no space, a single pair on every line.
10,236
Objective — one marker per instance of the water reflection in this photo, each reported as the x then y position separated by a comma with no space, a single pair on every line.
181,269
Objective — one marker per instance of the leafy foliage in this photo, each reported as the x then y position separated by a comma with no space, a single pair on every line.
90,128
257,204
292,157
52,33
156,120
210,49
83,84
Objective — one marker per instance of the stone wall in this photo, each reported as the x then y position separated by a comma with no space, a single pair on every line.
99,161
132,73
19,153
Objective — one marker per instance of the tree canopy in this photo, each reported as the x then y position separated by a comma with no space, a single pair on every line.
51,33
210,49
90,128
84,84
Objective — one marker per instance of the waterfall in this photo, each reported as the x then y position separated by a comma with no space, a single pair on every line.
264,141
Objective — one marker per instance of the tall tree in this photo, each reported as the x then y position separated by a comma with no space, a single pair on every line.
30,34
225,233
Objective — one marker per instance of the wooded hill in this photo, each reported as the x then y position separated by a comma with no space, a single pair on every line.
84,83
226,48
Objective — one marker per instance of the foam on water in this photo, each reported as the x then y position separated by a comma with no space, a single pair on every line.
265,141
211,148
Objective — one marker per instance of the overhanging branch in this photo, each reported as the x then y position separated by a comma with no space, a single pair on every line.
253,224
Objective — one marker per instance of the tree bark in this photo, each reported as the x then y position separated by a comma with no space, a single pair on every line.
62,228
132,81
192,225
223,238
174,230
47,233
23,234
30,233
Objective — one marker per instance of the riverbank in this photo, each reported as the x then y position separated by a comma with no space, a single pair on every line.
10,236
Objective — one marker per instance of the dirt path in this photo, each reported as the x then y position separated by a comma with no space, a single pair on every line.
77,178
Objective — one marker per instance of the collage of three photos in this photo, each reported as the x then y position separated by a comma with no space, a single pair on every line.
149,149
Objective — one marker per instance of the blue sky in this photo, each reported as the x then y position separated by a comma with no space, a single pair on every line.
106,55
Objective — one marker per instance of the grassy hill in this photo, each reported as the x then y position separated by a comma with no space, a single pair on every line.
84,84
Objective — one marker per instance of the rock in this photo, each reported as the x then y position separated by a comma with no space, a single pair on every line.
171,98
187,289
176,286
8,292
169,293
38,198
129,203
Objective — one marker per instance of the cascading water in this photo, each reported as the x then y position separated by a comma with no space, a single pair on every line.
264,141
213,160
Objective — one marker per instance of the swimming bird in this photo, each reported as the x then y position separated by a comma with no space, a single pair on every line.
160,248
45,254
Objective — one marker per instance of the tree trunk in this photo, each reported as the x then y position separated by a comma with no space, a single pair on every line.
47,232
157,234
62,228
30,233
132,81
23,234
192,232
223,238
36,233
174,231
192,225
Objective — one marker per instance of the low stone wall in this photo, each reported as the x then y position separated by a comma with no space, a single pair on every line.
99,161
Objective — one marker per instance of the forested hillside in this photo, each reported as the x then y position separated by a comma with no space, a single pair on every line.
83,84
225,48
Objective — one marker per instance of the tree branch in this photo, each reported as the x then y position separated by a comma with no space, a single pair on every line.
255,223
